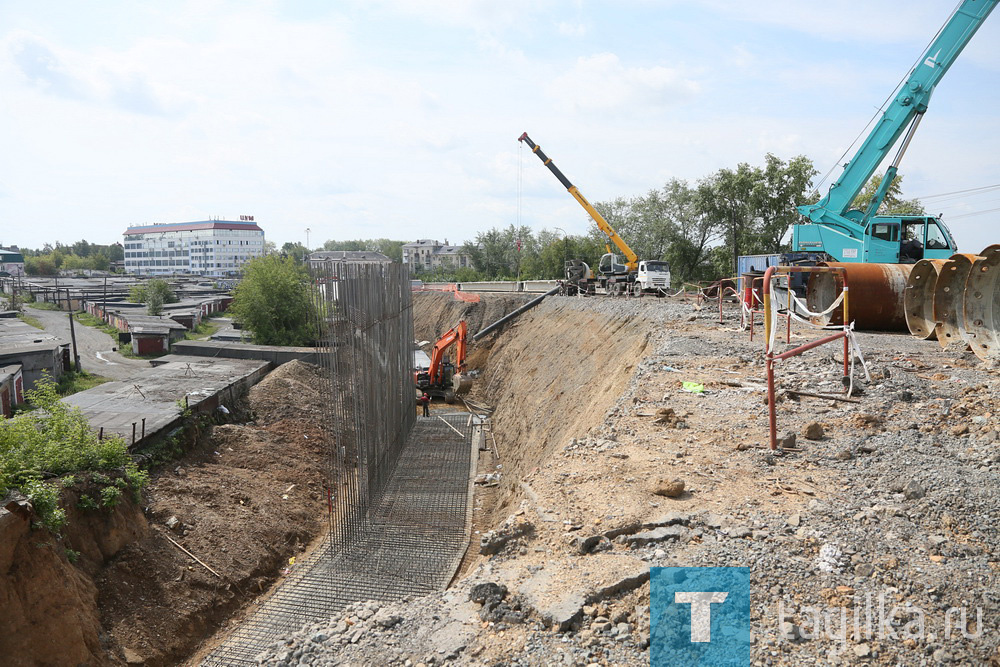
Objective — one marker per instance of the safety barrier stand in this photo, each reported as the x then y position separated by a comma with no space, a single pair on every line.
723,290
770,317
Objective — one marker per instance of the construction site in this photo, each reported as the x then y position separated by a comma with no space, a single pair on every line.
534,472
327,523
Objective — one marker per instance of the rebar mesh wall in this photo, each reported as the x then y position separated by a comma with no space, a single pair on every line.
402,497
366,324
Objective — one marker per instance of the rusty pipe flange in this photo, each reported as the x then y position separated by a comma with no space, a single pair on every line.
876,295
949,299
982,305
918,297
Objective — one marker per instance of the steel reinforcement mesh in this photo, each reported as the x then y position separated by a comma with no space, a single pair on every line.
412,544
366,322
400,489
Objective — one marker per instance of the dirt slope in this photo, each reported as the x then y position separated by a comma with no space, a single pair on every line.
434,313
547,383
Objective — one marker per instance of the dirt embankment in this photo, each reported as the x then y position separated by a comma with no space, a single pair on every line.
50,613
548,384
243,501
436,312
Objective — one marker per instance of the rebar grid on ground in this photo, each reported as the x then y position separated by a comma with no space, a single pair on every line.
413,544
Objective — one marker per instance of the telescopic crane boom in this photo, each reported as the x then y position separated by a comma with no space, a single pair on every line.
631,259
851,235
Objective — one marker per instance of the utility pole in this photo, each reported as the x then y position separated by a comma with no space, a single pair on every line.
72,330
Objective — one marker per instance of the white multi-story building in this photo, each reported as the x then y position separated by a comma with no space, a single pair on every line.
207,248
428,254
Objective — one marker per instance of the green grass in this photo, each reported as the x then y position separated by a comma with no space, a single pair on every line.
126,351
29,319
204,330
72,382
89,320
44,305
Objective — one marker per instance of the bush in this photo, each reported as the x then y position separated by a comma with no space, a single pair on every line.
154,294
55,440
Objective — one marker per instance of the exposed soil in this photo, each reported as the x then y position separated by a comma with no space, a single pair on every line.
434,313
248,499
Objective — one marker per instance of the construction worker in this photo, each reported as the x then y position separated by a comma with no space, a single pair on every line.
425,400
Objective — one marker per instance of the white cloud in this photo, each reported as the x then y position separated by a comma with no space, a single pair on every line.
569,29
603,82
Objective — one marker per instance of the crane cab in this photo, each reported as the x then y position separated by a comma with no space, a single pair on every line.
887,239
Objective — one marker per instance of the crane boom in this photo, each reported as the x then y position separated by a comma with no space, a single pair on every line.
631,259
843,232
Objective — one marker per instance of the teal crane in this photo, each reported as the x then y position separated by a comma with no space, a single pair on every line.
850,235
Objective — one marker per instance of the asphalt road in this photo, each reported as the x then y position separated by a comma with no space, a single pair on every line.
93,346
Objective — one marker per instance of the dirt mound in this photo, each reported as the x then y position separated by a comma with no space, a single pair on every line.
243,503
293,390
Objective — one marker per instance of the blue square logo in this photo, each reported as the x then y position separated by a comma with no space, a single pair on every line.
700,616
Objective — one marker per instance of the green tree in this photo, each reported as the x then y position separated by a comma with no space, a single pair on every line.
100,261
115,252
893,204
154,294
690,232
501,253
753,206
82,248
296,251
273,301
40,266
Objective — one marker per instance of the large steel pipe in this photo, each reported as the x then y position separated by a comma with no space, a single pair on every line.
949,299
918,298
982,305
509,316
876,295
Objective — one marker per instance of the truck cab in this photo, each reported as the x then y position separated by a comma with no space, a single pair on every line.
653,275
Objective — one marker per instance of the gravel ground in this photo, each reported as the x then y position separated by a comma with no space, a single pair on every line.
887,511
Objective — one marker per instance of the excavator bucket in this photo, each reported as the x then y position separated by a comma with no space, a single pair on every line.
461,384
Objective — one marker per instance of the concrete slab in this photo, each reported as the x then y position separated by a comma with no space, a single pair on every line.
154,394
15,333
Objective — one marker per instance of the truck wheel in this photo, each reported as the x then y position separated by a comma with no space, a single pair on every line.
637,289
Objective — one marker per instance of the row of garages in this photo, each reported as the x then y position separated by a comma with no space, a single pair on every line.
152,334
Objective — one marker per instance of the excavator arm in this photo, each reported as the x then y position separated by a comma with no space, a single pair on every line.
631,259
457,336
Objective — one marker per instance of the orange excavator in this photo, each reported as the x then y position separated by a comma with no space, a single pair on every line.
443,378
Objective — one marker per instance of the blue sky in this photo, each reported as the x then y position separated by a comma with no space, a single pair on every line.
400,118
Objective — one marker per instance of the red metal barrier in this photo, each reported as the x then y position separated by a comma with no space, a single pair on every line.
769,352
